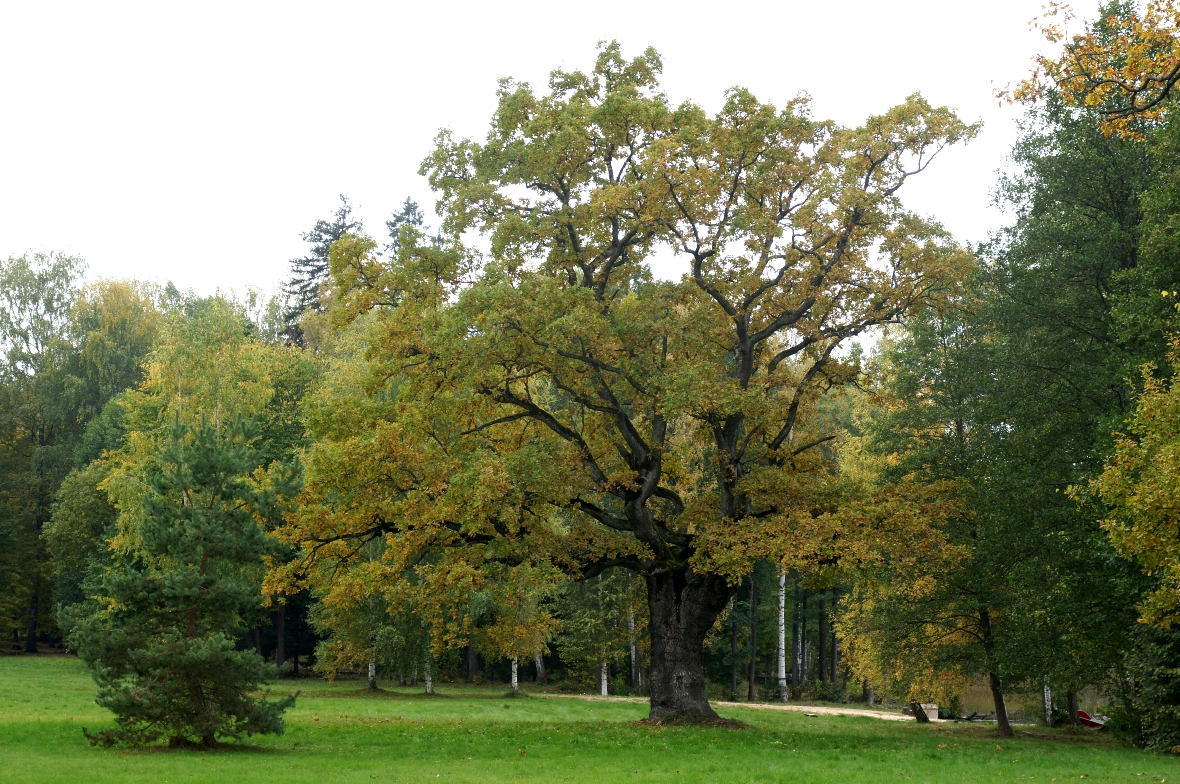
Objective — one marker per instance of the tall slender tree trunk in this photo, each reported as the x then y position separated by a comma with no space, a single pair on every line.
295,643
39,522
751,695
834,669
515,682
822,639
540,662
634,649
733,649
683,606
1072,697
280,621
34,611
870,694
796,641
604,677
372,669
1047,699
782,634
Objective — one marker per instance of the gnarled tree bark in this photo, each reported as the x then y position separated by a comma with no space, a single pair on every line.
683,605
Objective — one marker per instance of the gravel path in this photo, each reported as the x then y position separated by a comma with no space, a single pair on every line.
825,710
820,709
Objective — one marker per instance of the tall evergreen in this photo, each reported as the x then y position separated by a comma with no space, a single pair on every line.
310,272
159,633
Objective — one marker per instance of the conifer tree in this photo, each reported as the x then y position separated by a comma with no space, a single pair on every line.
160,631
311,271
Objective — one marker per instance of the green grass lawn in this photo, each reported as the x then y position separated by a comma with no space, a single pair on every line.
338,733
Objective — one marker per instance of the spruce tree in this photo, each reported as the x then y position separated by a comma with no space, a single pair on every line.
159,632
312,271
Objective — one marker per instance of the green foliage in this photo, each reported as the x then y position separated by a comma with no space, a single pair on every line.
77,536
600,618
1013,396
1146,711
159,631
39,402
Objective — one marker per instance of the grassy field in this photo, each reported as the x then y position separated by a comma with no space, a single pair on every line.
339,733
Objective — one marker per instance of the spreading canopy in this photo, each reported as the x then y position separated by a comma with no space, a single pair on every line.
557,403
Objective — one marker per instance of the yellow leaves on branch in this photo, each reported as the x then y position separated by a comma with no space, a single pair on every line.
1141,484
1124,65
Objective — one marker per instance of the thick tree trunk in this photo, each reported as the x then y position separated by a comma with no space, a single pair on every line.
280,621
822,642
515,677
34,611
683,606
604,678
869,694
751,696
1072,697
540,662
782,634
1002,724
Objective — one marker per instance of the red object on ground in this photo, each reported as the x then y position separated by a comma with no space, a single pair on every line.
1089,721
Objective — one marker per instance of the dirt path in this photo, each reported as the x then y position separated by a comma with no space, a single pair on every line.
819,709
825,710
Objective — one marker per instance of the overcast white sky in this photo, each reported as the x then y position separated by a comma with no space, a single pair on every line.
194,142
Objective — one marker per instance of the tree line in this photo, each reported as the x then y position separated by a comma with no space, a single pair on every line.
503,446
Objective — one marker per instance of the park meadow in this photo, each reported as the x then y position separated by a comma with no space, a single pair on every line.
343,732
669,442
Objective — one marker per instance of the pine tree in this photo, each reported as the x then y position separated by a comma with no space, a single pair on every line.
159,633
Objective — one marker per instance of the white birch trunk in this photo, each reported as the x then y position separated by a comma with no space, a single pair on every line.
515,681
782,634
634,651
372,672
603,673
1048,696
426,673
540,662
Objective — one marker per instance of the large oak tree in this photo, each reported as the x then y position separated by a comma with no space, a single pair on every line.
551,400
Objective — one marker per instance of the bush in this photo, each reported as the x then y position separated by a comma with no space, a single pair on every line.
1146,709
